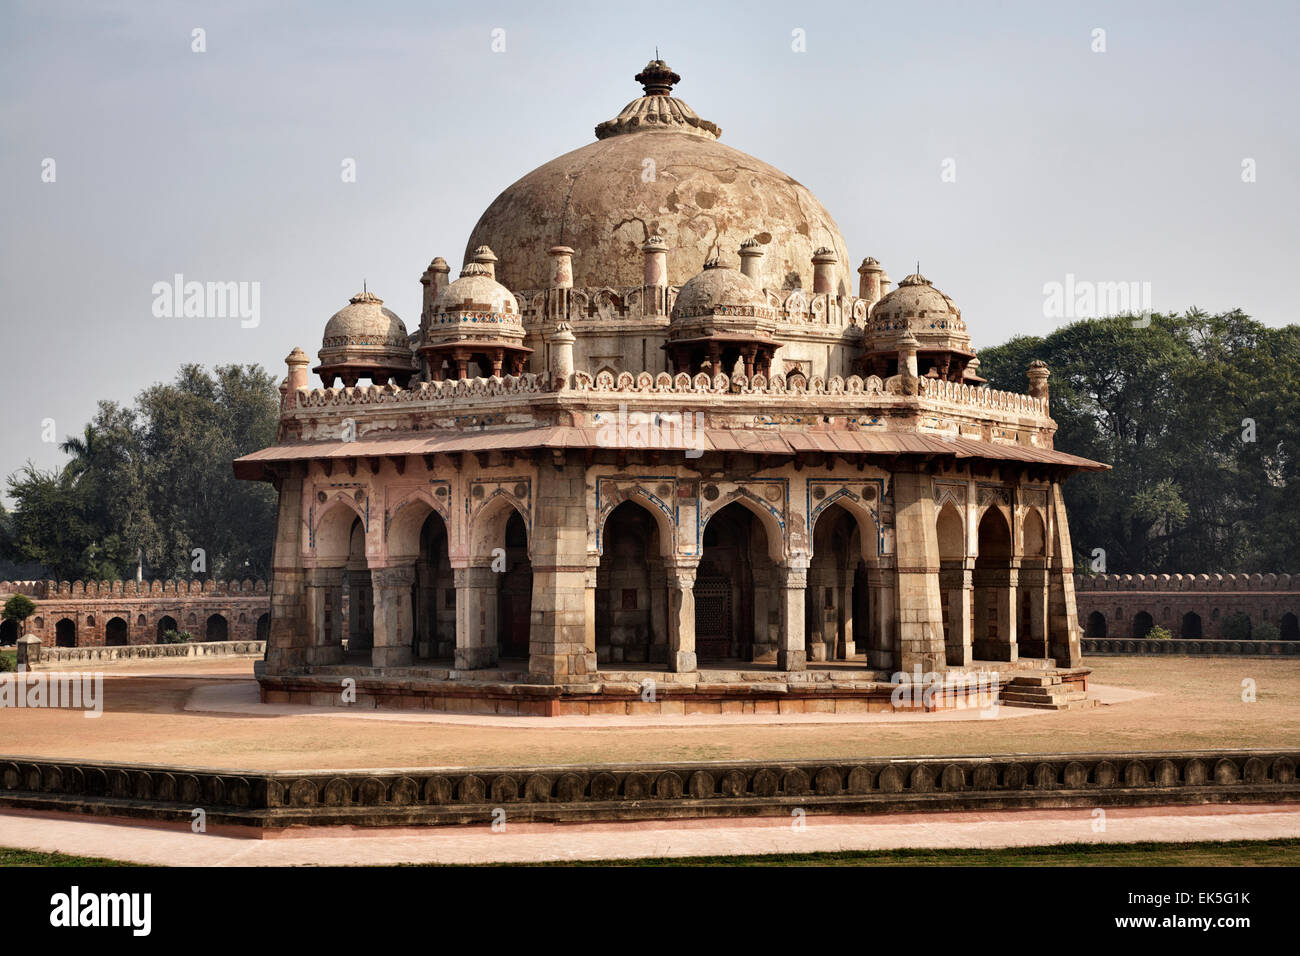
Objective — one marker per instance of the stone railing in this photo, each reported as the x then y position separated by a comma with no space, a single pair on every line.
51,656
1186,582
47,590
961,394
1199,647
649,791
664,383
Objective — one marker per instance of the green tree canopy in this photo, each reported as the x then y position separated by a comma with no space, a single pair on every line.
155,480
1197,414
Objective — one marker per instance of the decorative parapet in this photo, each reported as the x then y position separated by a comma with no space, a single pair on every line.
46,590
651,791
958,393
663,383
1186,582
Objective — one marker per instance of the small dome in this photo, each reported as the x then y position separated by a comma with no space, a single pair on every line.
364,327
720,291
476,292
915,298
363,336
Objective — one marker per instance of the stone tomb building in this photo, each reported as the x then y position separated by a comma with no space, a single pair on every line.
650,433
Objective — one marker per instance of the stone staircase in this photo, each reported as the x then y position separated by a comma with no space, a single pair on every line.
1044,692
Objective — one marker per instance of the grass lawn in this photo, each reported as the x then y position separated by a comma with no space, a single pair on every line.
1218,853
11,857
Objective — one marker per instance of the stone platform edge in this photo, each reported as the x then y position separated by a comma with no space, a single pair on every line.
277,800
770,695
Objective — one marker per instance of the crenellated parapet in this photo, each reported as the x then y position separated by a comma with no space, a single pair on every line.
1187,582
47,590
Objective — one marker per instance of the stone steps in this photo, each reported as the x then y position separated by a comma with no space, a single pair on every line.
1044,692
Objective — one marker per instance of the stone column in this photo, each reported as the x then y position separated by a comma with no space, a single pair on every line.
791,655
589,610
765,643
1063,614
288,637
920,614
882,643
1033,581
956,582
848,643
392,616
558,634
658,612
323,615
476,617
681,617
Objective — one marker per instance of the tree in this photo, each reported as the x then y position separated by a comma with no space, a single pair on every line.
156,480
1197,415
18,609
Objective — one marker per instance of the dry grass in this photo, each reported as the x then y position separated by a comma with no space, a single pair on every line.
1198,705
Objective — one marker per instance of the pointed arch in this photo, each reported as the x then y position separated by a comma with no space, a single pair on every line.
332,532
405,522
772,521
664,521
866,519
1033,534
951,531
487,529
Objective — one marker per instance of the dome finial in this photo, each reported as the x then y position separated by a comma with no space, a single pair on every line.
658,77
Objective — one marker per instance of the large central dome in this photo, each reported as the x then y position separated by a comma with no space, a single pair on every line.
657,168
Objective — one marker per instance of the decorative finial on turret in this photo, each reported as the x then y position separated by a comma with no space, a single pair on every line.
658,78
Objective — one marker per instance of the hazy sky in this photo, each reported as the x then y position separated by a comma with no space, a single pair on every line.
1123,165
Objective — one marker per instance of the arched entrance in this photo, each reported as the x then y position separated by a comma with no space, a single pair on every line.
165,623
1031,588
631,589
115,633
1289,627
1191,628
1096,625
8,632
1142,624
737,590
65,633
836,602
515,596
955,582
433,594
263,627
993,626
216,629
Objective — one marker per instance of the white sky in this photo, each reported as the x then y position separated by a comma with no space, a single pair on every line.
225,165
